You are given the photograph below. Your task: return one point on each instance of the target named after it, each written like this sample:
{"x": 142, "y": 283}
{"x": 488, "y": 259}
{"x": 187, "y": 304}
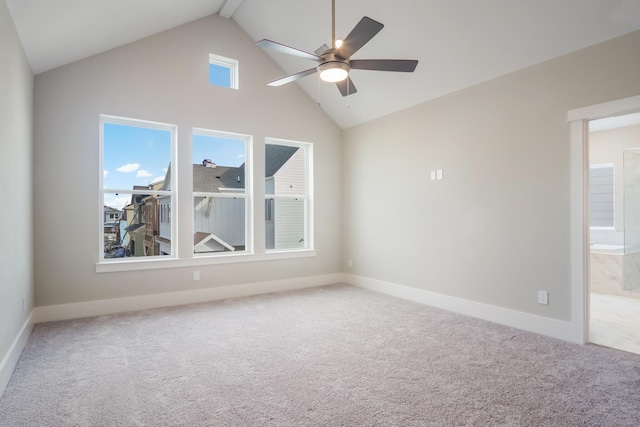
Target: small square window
{"x": 223, "y": 71}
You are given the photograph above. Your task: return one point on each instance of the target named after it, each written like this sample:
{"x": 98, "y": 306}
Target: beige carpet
{"x": 331, "y": 356}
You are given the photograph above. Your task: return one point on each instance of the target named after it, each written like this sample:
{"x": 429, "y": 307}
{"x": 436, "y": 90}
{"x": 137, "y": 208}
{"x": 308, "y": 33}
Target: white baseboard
{"x": 8, "y": 364}
{"x": 52, "y": 313}
{"x": 504, "y": 316}
{"x": 525, "y": 321}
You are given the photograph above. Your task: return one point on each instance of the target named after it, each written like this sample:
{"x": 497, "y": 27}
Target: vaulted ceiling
{"x": 458, "y": 43}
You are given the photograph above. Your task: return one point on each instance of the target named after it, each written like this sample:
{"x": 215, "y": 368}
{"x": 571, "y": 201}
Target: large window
{"x": 219, "y": 192}
{"x": 288, "y": 209}
{"x": 140, "y": 218}
{"x": 136, "y": 195}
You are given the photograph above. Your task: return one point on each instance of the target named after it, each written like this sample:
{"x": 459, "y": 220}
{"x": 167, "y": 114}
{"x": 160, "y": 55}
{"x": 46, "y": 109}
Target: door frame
{"x": 578, "y": 120}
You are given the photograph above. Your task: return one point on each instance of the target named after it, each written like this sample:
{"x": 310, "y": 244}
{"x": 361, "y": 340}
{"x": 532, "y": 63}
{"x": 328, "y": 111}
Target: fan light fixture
{"x": 334, "y": 64}
{"x": 333, "y": 71}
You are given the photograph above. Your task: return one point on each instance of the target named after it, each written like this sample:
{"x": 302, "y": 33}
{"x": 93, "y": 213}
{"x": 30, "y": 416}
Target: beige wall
{"x": 607, "y": 146}
{"x": 16, "y": 112}
{"x": 165, "y": 78}
{"x": 496, "y": 228}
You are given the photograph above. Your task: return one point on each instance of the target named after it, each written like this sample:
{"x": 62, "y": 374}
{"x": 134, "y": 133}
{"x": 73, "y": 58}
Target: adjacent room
{"x": 258, "y": 212}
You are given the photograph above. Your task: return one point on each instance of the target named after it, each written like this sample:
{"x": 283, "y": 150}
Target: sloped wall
{"x": 165, "y": 78}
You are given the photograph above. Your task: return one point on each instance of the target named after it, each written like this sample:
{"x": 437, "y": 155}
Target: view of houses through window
{"x": 138, "y": 195}
{"x": 136, "y": 158}
{"x": 219, "y": 187}
{"x": 286, "y": 204}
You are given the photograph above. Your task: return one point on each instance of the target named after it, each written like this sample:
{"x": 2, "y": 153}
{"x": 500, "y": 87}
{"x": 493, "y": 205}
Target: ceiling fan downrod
{"x": 333, "y": 24}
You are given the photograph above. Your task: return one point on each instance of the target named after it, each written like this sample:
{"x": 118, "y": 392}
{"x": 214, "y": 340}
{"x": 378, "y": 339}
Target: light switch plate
{"x": 433, "y": 175}
{"x": 439, "y": 174}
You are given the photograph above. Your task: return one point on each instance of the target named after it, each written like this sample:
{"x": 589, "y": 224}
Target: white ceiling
{"x": 458, "y": 43}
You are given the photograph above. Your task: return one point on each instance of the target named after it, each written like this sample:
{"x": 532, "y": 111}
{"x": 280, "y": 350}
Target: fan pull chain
{"x": 318, "y": 97}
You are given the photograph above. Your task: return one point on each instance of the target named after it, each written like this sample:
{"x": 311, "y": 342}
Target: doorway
{"x": 613, "y": 213}
{"x": 578, "y": 120}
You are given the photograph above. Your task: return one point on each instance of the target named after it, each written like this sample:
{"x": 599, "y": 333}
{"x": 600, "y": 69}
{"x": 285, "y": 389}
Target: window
{"x": 601, "y": 196}
{"x": 136, "y": 158}
{"x": 219, "y": 192}
{"x": 288, "y": 209}
{"x": 139, "y": 192}
{"x": 223, "y": 71}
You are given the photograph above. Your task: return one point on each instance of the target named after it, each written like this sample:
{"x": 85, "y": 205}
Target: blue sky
{"x": 140, "y": 156}
{"x": 220, "y": 76}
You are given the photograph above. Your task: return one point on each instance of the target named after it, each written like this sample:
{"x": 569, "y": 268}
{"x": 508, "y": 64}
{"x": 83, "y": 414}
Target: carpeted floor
{"x": 330, "y": 356}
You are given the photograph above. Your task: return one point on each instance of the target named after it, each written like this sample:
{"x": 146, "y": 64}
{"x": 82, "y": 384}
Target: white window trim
{"x": 189, "y": 259}
{"x": 153, "y": 263}
{"x": 173, "y": 129}
{"x": 248, "y": 187}
{"x": 232, "y": 64}
{"x": 309, "y": 193}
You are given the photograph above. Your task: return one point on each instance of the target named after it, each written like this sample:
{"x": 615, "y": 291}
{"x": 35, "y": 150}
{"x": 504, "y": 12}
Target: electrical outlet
{"x": 543, "y": 297}
{"x": 350, "y": 263}
{"x": 433, "y": 175}
{"x": 196, "y": 275}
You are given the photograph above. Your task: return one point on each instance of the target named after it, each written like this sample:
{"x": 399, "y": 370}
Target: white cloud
{"x": 240, "y": 156}
{"x": 143, "y": 174}
{"x": 165, "y": 170}
{"x": 130, "y": 167}
{"x": 105, "y": 173}
{"x": 117, "y": 202}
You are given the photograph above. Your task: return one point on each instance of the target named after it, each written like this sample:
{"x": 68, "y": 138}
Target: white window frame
{"x": 232, "y": 64}
{"x": 308, "y": 198}
{"x": 248, "y": 188}
{"x": 173, "y": 130}
{"x": 181, "y": 226}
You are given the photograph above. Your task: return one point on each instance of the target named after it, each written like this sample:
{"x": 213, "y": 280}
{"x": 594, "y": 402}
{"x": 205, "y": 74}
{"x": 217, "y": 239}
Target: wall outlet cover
{"x": 543, "y": 297}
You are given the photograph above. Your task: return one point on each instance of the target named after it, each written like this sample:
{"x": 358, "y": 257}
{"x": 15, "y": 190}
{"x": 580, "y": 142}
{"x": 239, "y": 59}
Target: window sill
{"x": 157, "y": 263}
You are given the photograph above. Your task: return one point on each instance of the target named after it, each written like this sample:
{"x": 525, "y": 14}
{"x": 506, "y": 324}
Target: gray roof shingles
{"x": 210, "y": 180}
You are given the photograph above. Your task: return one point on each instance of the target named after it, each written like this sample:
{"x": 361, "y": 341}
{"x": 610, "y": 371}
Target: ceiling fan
{"x": 334, "y": 63}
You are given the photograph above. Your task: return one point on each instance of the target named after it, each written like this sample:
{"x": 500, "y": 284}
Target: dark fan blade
{"x": 359, "y": 36}
{"x": 268, "y": 44}
{"x": 402, "y": 65}
{"x": 345, "y": 88}
{"x": 293, "y": 77}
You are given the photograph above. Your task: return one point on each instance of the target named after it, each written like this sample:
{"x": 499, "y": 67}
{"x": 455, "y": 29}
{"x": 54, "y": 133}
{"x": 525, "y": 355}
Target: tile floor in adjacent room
{"x": 615, "y": 322}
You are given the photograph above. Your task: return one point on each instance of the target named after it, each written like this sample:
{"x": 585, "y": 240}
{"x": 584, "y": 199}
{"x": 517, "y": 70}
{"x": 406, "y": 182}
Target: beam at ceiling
{"x": 229, "y": 8}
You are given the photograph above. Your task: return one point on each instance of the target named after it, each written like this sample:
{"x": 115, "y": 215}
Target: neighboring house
{"x": 135, "y": 230}
{"x": 284, "y": 175}
{"x": 152, "y": 218}
{"x": 111, "y": 230}
{"x": 150, "y": 209}
{"x": 164, "y": 217}
{"x": 111, "y": 218}
{"x": 219, "y": 222}
{"x": 125, "y": 221}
